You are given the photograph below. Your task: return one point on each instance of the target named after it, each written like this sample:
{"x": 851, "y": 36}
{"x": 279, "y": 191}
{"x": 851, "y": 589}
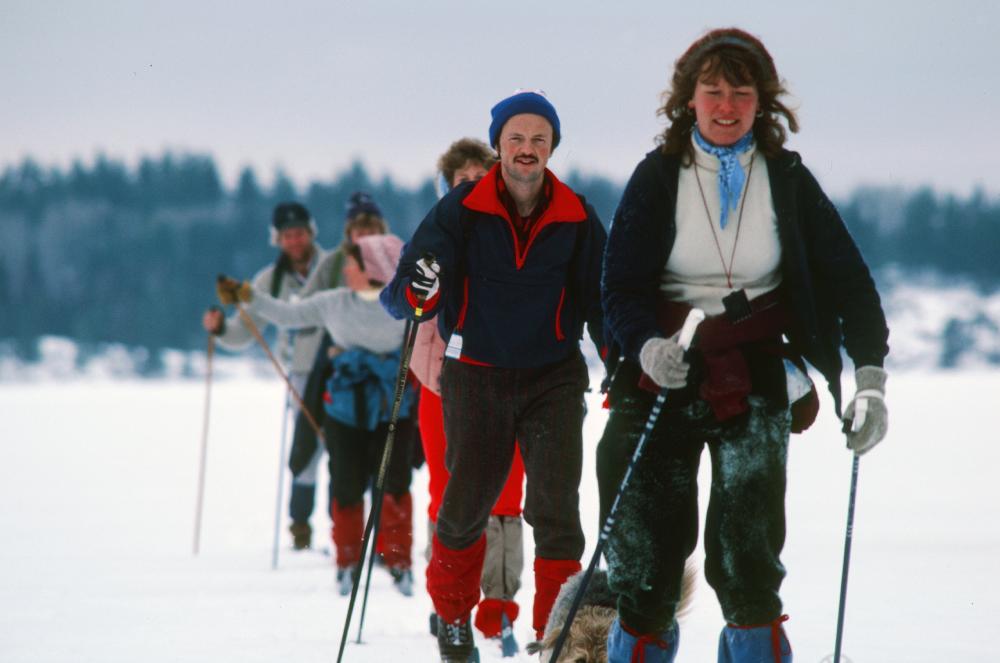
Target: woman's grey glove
{"x": 866, "y": 418}
{"x": 662, "y": 359}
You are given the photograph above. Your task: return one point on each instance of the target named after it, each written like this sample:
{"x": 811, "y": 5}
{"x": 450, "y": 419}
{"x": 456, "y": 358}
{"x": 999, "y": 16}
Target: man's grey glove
{"x": 866, "y": 416}
{"x": 662, "y": 359}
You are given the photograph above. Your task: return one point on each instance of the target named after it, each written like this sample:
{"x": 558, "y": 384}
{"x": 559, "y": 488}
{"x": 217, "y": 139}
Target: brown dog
{"x": 587, "y": 641}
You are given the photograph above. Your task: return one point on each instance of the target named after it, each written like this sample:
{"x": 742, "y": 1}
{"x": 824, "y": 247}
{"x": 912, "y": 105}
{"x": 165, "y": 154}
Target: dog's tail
{"x": 689, "y": 583}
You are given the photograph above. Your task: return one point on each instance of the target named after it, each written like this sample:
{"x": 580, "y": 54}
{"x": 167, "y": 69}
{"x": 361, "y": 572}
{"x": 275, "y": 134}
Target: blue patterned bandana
{"x": 731, "y": 176}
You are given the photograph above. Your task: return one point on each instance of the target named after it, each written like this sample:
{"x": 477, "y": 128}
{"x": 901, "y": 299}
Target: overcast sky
{"x": 894, "y": 92}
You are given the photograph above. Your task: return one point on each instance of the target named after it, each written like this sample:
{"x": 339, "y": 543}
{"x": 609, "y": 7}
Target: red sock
{"x": 348, "y": 528}
{"x": 550, "y": 574}
{"x": 453, "y": 578}
{"x": 396, "y": 530}
{"x": 489, "y": 615}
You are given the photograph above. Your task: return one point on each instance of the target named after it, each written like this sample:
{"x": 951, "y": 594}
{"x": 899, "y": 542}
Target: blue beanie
{"x": 523, "y": 102}
{"x": 361, "y": 203}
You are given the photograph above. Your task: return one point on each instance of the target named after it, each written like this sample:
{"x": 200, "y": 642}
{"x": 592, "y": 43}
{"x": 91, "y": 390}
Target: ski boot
{"x": 346, "y": 577}
{"x": 494, "y": 619}
{"x": 455, "y": 641}
{"x": 625, "y": 645}
{"x": 301, "y": 535}
{"x": 760, "y": 642}
{"x": 508, "y": 644}
{"x": 402, "y": 580}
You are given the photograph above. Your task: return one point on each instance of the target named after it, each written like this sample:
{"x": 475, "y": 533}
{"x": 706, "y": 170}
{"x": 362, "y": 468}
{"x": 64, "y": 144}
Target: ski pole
{"x": 409, "y": 337}
{"x": 373, "y": 518}
{"x": 847, "y": 558}
{"x": 694, "y": 318}
{"x": 209, "y": 354}
{"x": 376, "y": 512}
{"x": 378, "y": 518}
{"x": 281, "y": 482}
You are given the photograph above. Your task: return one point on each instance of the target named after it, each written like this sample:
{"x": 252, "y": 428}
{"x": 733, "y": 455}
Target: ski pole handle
{"x": 429, "y": 258}
{"x": 860, "y": 414}
{"x": 694, "y": 318}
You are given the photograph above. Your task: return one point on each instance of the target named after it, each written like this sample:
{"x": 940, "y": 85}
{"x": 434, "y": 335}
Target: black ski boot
{"x": 455, "y": 641}
{"x": 301, "y": 535}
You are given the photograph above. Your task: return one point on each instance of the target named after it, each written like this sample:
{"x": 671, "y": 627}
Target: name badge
{"x": 454, "y": 349}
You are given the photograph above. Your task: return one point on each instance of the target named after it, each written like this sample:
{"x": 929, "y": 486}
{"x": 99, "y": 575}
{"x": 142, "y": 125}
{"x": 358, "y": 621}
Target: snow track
{"x": 98, "y": 481}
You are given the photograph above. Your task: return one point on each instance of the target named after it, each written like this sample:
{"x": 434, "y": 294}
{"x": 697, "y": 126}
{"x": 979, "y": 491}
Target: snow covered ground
{"x": 98, "y": 482}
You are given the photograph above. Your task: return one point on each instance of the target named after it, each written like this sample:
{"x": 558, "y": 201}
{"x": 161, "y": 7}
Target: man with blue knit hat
{"x": 510, "y": 266}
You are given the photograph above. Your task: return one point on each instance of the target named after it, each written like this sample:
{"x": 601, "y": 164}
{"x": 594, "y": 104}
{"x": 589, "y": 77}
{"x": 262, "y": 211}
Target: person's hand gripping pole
{"x": 425, "y": 282}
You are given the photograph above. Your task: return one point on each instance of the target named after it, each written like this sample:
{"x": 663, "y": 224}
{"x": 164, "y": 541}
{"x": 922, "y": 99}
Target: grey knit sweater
{"x": 353, "y": 320}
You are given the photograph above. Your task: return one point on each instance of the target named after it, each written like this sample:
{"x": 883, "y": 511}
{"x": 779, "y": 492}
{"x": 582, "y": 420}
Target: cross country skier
{"x": 721, "y": 217}
{"x": 294, "y": 274}
{"x": 515, "y": 273}
{"x": 468, "y": 160}
{"x": 363, "y": 217}
{"x": 358, "y": 401}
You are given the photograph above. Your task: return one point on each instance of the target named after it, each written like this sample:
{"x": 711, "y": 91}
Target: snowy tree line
{"x": 107, "y": 253}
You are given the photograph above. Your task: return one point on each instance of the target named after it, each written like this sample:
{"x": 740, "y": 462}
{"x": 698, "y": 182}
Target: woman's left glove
{"x": 866, "y": 418}
{"x": 662, "y": 359}
{"x": 231, "y": 291}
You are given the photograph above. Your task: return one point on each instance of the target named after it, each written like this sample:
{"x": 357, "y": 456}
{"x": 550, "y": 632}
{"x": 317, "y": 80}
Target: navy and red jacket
{"x": 514, "y": 305}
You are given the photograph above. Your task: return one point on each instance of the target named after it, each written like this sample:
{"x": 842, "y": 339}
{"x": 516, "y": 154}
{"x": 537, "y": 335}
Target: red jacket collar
{"x": 564, "y": 206}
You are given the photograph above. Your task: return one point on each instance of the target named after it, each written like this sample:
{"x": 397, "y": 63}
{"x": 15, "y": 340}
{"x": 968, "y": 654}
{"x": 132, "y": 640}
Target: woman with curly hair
{"x": 723, "y": 218}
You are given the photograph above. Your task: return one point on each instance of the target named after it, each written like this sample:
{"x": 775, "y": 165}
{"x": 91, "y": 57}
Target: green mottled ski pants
{"x": 657, "y": 522}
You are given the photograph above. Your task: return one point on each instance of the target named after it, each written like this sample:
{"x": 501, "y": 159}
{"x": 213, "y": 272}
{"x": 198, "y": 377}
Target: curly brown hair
{"x": 741, "y": 59}
{"x": 463, "y": 151}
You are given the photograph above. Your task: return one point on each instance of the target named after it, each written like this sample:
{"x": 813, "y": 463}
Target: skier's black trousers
{"x": 487, "y": 411}
{"x": 355, "y": 455}
{"x": 657, "y": 521}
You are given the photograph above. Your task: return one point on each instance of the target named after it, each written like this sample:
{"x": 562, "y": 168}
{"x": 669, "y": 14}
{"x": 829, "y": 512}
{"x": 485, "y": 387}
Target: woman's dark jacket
{"x": 514, "y": 305}
{"x": 825, "y": 281}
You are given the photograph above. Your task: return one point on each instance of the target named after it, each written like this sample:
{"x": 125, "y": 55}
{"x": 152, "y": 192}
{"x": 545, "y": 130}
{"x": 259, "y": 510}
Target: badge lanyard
{"x": 736, "y": 303}
{"x": 727, "y": 269}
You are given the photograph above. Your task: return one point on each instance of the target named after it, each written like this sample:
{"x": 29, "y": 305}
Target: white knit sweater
{"x": 694, "y": 273}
